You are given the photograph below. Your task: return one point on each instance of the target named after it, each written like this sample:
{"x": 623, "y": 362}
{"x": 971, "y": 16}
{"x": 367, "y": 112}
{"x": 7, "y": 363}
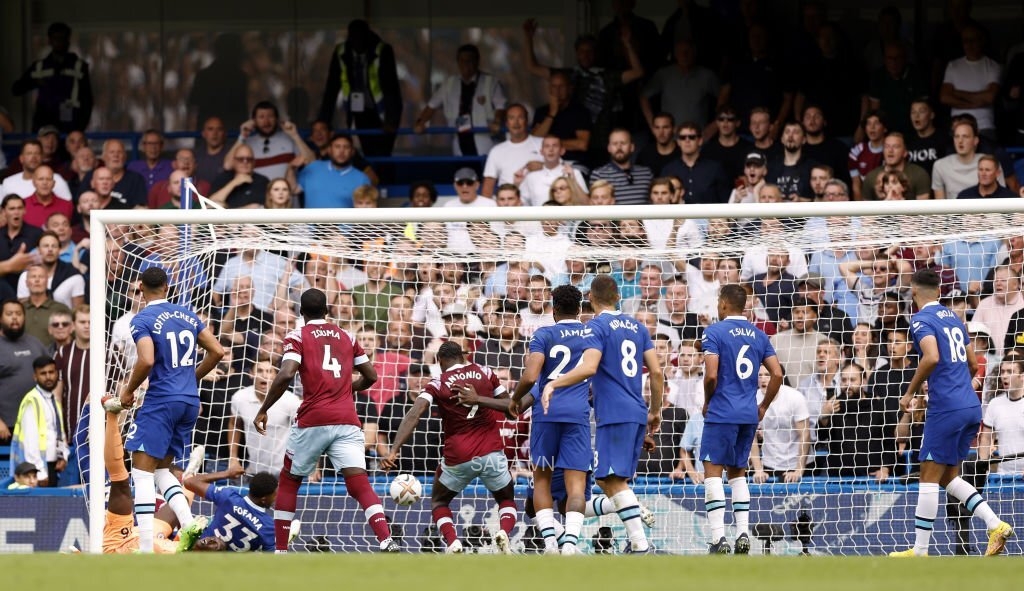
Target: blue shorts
{"x": 162, "y": 428}
{"x": 948, "y": 435}
{"x": 727, "y": 444}
{"x": 561, "y": 445}
{"x": 618, "y": 449}
{"x": 558, "y": 492}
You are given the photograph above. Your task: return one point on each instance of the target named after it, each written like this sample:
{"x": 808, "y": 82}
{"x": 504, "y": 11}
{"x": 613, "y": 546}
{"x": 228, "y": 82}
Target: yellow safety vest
{"x": 372, "y": 75}
{"x": 35, "y": 399}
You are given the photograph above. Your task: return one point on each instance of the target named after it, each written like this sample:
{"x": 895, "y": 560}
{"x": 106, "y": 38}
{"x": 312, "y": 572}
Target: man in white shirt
{"x": 1003, "y": 423}
{"x": 274, "y": 145}
{"x": 508, "y": 195}
{"x": 956, "y": 172}
{"x": 786, "y": 438}
{"x": 264, "y": 453}
{"x": 536, "y": 187}
{"x": 20, "y": 183}
{"x": 466, "y": 186}
{"x": 971, "y": 83}
{"x": 508, "y": 159}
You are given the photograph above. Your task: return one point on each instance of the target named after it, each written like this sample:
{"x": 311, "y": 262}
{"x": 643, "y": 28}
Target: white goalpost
{"x": 405, "y": 279}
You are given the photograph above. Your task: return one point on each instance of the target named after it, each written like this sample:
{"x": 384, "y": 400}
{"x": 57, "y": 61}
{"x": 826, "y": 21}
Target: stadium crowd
{"x": 679, "y": 117}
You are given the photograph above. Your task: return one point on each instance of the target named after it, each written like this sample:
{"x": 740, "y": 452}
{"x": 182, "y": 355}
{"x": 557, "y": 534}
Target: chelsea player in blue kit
{"x": 240, "y": 523}
{"x": 560, "y": 436}
{"x": 734, "y": 349}
{"x": 948, "y": 363}
{"x": 167, "y": 337}
{"x": 617, "y": 349}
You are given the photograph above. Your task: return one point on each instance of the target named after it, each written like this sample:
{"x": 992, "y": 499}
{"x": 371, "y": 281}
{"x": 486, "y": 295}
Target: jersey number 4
{"x": 331, "y": 363}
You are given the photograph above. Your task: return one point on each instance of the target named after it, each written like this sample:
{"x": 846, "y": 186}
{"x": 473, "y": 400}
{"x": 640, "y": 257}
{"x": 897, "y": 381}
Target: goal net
{"x": 835, "y": 469}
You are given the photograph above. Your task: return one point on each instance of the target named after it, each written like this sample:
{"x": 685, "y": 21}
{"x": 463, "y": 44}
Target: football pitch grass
{"x": 329, "y": 572}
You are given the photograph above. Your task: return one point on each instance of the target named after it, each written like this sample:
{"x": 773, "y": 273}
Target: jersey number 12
{"x": 187, "y": 341}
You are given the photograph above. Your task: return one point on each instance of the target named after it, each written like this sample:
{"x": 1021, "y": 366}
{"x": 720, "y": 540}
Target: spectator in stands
{"x": 792, "y": 172}
{"x": 43, "y": 203}
{"x": 508, "y": 195}
{"x": 31, "y": 158}
{"x": 185, "y": 163}
{"x": 867, "y": 155}
{"x": 503, "y": 347}
{"x": 598, "y": 90}
{"x": 61, "y": 79}
{"x": 675, "y": 318}
{"x": 62, "y": 280}
{"x": 390, "y": 365}
{"x": 755, "y": 258}
{"x": 562, "y": 117}
{"x": 821, "y": 147}
{"x": 373, "y": 297}
{"x": 988, "y": 181}
{"x": 956, "y": 172}
{"x": 749, "y": 185}
{"x": 267, "y": 270}
{"x": 924, "y": 145}
{"x": 796, "y": 345}
{"x": 891, "y": 315}
{"x": 263, "y": 453}
{"x": 688, "y": 90}
{"x": 727, "y": 147}
{"x": 422, "y": 194}
{"x": 855, "y": 427}
{"x": 997, "y": 310}
{"x": 664, "y": 458}
{"x": 649, "y": 296}
{"x": 759, "y": 79}
{"x": 1003, "y": 425}
{"x": 689, "y": 449}
{"x": 151, "y": 167}
{"x": 664, "y": 149}
{"x": 38, "y": 305}
{"x": 364, "y": 72}
{"x": 471, "y": 99}
{"x": 129, "y": 188}
{"x": 220, "y": 89}
{"x": 460, "y": 234}
{"x": 243, "y": 322}
{"x": 869, "y": 277}
{"x": 26, "y": 476}
{"x": 763, "y": 131}
{"x": 16, "y": 376}
{"x": 72, "y": 360}
{"x": 631, "y": 181}
{"x": 53, "y": 153}
{"x": 889, "y": 382}
{"x": 775, "y": 287}
{"x": 894, "y": 159}
{"x": 241, "y": 186}
{"x": 971, "y": 258}
{"x": 971, "y": 83}
{"x": 895, "y": 86}
{"x": 820, "y": 175}
{"x": 276, "y": 145}
{"x": 688, "y": 378}
{"x": 536, "y": 185}
{"x": 549, "y": 247}
{"x": 832, "y": 321}
{"x": 703, "y": 179}
{"x": 330, "y": 183}
{"x": 170, "y": 198}
{"x": 537, "y": 312}
{"x": 611, "y": 52}
{"x": 511, "y": 157}
{"x": 60, "y": 330}
{"x": 784, "y": 452}
{"x": 83, "y": 162}
{"x": 38, "y": 436}
{"x": 210, "y": 153}
{"x": 834, "y": 80}
{"x": 422, "y": 455}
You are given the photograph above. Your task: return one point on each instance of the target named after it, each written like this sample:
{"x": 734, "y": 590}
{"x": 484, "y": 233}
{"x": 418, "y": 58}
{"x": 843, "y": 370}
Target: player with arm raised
{"x": 239, "y": 524}
{"x": 947, "y": 362}
{"x": 167, "y": 337}
{"x": 616, "y": 349}
{"x": 733, "y": 350}
{"x": 470, "y": 398}
{"x": 324, "y": 356}
{"x": 560, "y": 437}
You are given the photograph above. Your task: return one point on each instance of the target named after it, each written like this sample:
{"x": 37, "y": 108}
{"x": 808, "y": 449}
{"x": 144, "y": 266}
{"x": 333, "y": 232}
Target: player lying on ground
{"x": 470, "y": 398}
{"x": 325, "y": 357}
{"x": 616, "y": 348}
{"x": 733, "y": 351}
{"x": 239, "y": 524}
{"x": 948, "y": 363}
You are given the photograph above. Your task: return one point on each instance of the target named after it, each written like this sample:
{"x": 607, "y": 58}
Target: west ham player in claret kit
{"x": 472, "y": 401}
{"x": 324, "y": 356}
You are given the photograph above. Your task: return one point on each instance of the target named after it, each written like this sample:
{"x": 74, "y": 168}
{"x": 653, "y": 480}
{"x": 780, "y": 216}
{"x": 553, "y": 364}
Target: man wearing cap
{"x": 997, "y": 310}
{"x": 467, "y": 183}
{"x": 755, "y": 167}
{"x": 26, "y": 475}
{"x": 38, "y": 435}
{"x": 31, "y": 158}
{"x": 64, "y": 96}
{"x": 330, "y": 183}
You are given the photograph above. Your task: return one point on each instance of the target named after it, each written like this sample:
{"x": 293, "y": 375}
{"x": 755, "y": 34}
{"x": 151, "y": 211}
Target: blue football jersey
{"x": 741, "y": 348}
{"x": 175, "y": 333}
{"x": 562, "y": 346}
{"x": 240, "y": 523}
{"x": 618, "y": 383}
{"x": 949, "y": 385}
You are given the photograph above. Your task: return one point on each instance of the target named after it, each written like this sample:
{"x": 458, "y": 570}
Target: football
{"x": 406, "y": 489}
